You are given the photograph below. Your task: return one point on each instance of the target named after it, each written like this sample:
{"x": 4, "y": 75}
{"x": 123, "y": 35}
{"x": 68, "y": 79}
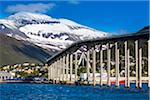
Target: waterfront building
{"x": 6, "y": 75}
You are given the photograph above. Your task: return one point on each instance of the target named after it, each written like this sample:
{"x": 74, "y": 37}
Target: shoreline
{"x": 7, "y": 82}
{"x": 62, "y": 83}
{"x": 122, "y": 86}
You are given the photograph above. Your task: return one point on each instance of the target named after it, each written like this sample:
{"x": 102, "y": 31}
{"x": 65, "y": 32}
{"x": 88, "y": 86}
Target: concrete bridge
{"x": 112, "y": 60}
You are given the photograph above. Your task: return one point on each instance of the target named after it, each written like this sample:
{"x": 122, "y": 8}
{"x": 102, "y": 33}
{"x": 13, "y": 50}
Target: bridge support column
{"x": 63, "y": 60}
{"x": 140, "y": 67}
{"x": 88, "y": 65}
{"x": 67, "y": 67}
{"x": 108, "y": 64}
{"x": 117, "y": 63}
{"x": 54, "y": 73}
{"x": 71, "y": 60}
{"x": 136, "y": 61}
{"x": 126, "y": 64}
{"x": 59, "y": 70}
{"x": 101, "y": 66}
{"x": 149, "y": 63}
{"x": 94, "y": 66}
{"x": 53, "y": 76}
{"x": 76, "y": 66}
{"x": 128, "y": 67}
{"x": 49, "y": 72}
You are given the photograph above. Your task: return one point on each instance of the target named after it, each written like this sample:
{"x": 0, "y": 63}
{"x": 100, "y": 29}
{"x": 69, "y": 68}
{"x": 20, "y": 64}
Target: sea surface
{"x": 69, "y": 92}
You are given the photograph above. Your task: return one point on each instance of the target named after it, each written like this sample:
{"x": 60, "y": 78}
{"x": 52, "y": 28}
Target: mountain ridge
{"x": 42, "y": 32}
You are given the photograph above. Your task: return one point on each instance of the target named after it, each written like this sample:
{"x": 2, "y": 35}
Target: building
{"x": 6, "y": 75}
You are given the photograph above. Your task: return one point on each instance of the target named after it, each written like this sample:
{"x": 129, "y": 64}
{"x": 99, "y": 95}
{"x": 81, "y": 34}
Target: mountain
{"x": 45, "y": 31}
{"x": 143, "y": 30}
{"x": 33, "y": 37}
{"x": 14, "y": 51}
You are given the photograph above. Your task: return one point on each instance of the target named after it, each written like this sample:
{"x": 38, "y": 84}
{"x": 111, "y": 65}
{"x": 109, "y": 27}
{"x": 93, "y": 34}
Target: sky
{"x": 116, "y": 17}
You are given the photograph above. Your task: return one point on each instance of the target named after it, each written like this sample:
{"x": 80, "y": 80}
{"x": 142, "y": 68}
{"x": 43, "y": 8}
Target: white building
{"x": 5, "y": 75}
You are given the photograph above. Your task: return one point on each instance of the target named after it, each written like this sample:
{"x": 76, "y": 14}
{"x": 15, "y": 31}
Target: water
{"x": 69, "y": 92}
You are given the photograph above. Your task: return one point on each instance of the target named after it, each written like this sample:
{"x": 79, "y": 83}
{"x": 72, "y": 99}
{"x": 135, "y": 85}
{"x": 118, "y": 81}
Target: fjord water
{"x": 69, "y": 92}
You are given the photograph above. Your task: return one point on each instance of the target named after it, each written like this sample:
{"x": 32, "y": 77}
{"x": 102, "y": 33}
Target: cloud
{"x": 73, "y": 1}
{"x": 38, "y": 7}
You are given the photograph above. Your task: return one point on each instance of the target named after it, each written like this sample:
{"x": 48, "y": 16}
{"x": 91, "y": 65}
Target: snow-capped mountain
{"x": 45, "y": 31}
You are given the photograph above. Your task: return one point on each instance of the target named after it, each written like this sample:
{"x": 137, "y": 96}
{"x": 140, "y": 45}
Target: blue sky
{"x": 109, "y": 16}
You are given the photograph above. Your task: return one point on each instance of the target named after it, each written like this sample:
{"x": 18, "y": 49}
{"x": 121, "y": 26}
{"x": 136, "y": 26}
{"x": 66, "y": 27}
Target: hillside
{"x": 14, "y": 51}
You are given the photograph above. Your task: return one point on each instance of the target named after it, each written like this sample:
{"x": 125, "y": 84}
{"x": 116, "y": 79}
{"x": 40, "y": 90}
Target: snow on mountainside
{"x": 45, "y": 31}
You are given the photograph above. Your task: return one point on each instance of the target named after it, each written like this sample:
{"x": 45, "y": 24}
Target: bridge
{"x": 111, "y": 60}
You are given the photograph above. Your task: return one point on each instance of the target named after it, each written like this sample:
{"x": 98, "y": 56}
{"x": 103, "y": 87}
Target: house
{"x": 6, "y": 75}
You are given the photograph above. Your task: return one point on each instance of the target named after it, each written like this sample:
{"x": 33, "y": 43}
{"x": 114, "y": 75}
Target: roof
{"x": 3, "y": 73}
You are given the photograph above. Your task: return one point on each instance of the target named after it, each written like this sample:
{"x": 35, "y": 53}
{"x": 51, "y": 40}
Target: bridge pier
{"x": 63, "y": 68}
{"x": 128, "y": 67}
{"x": 67, "y": 67}
{"x": 136, "y": 62}
{"x": 57, "y": 71}
{"x": 76, "y": 67}
{"x": 140, "y": 67}
{"x": 101, "y": 66}
{"x": 94, "y": 65}
{"x": 149, "y": 63}
{"x": 117, "y": 64}
{"x": 108, "y": 64}
{"x": 126, "y": 64}
{"x": 88, "y": 65}
{"x": 53, "y": 73}
{"x": 71, "y": 63}
{"x": 49, "y": 72}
